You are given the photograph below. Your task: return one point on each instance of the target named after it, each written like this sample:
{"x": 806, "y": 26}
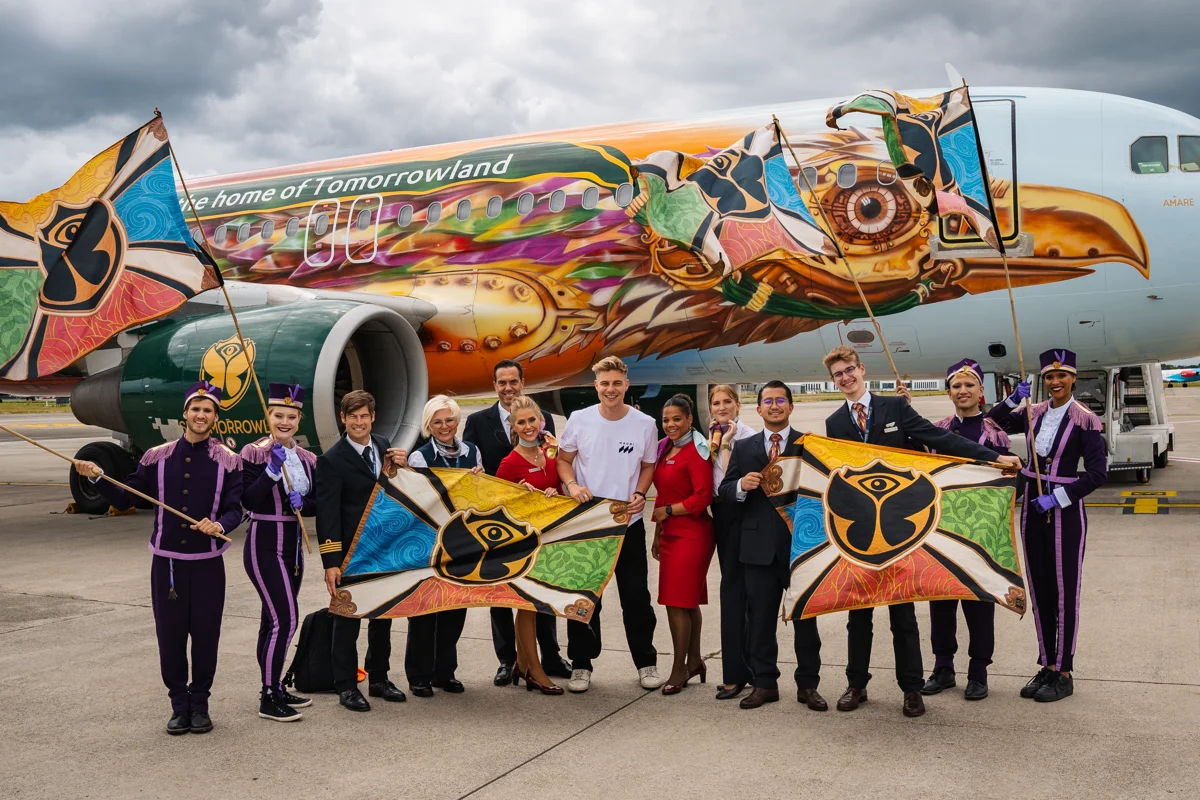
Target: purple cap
{"x": 285, "y": 394}
{"x": 1063, "y": 360}
{"x": 203, "y": 389}
{"x": 967, "y": 366}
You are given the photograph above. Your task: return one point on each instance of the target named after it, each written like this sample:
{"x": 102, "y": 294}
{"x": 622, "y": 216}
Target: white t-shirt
{"x": 610, "y": 454}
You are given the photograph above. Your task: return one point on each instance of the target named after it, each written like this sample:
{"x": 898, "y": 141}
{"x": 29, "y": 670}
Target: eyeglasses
{"x": 774, "y": 401}
{"x": 847, "y": 372}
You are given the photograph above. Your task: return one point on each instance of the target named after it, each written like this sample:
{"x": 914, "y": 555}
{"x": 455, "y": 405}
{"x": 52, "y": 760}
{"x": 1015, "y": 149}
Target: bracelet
{"x": 643, "y": 494}
{"x": 572, "y": 482}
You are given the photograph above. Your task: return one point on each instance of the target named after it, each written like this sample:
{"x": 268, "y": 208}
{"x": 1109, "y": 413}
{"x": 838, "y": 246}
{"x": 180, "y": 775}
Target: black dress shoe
{"x": 730, "y": 692}
{"x": 201, "y": 723}
{"x": 451, "y": 685}
{"x": 353, "y": 700}
{"x": 942, "y": 678}
{"x": 914, "y": 704}
{"x": 179, "y": 723}
{"x": 1037, "y": 682}
{"x": 811, "y": 698}
{"x": 976, "y": 690}
{"x": 292, "y": 700}
{"x": 759, "y": 697}
{"x": 851, "y": 699}
{"x": 388, "y": 691}
{"x": 1057, "y": 688}
{"x": 557, "y": 668}
{"x": 421, "y": 689}
{"x": 504, "y": 675}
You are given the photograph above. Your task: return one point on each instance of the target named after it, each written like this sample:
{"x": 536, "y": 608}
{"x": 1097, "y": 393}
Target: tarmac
{"x": 83, "y": 710}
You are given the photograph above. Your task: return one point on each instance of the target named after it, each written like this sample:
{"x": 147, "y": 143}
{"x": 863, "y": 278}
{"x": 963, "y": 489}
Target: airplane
{"x": 413, "y": 271}
{"x": 1181, "y": 377}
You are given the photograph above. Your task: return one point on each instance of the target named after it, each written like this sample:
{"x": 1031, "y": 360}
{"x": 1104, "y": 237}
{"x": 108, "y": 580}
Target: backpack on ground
{"x": 312, "y": 667}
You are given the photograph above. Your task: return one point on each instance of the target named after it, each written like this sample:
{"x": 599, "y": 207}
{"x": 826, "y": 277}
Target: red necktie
{"x": 860, "y": 416}
{"x": 773, "y": 456}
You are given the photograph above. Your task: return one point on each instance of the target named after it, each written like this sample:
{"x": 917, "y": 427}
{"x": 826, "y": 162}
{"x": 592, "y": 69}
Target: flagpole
{"x": 113, "y": 481}
{"x": 837, "y": 246}
{"x": 238, "y": 329}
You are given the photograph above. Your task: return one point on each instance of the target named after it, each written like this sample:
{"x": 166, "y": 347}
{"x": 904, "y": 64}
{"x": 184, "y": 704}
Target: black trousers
{"x": 504, "y": 636}
{"x": 735, "y": 629}
{"x": 345, "y": 651}
{"x": 906, "y": 642}
{"x": 431, "y": 653}
{"x": 943, "y": 635}
{"x": 583, "y": 640}
{"x": 764, "y": 591}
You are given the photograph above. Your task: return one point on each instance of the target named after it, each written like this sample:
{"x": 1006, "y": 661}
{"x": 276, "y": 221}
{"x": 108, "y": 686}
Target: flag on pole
{"x": 934, "y": 144}
{"x": 107, "y": 250}
{"x": 436, "y": 539}
{"x": 874, "y": 526}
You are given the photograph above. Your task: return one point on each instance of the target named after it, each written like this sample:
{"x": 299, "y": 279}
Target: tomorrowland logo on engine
{"x": 226, "y": 366}
{"x": 877, "y": 514}
{"x": 475, "y": 548}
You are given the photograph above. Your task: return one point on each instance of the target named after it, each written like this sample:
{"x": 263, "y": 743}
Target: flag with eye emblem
{"x": 874, "y": 526}
{"x": 934, "y": 144}
{"x": 107, "y": 250}
{"x": 436, "y": 539}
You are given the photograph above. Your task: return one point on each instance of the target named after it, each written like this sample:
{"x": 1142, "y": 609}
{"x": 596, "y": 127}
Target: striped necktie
{"x": 860, "y": 416}
{"x": 773, "y": 456}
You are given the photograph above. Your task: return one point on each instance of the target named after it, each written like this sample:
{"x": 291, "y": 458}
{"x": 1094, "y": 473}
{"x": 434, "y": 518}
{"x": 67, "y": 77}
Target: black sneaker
{"x": 1036, "y": 682}
{"x": 292, "y": 700}
{"x": 1056, "y": 688}
{"x": 942, "y": 678}
{"x": 272, "y": 707}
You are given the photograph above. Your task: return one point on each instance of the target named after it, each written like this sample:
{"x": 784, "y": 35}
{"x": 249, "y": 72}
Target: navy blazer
{"x": 895, "y": 423}
{"x": 344, "y": 485}
{"x": 765, "y": 534}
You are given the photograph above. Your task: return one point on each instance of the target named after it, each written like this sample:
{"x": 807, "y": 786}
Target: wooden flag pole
{"x": 838, "y": 247}
{"x": 113, "y": 481}
{"x": 238, "y": 329}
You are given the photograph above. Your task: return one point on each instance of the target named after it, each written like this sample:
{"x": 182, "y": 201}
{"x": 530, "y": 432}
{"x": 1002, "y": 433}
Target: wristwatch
{"x": 670, "y": 513}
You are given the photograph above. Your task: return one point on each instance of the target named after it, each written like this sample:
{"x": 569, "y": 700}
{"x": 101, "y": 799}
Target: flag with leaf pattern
{"x": 874, "y": 526}
{"x": 437, "y": 539}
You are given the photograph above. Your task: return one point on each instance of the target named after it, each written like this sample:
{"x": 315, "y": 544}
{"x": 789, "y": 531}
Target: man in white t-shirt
{"x": 609, "y": 450}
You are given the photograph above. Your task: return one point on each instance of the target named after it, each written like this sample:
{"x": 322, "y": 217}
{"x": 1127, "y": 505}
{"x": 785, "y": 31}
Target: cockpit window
{"x": 1189, "y": 153}
{"x": 1148, "y": 155}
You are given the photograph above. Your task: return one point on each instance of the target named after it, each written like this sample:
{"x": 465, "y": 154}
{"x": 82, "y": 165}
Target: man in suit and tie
{"x": 766, "y": 554}
{"x": 890, "y": 422}
{"x": 491, "y": 431}
{"x": 347, "y": 475}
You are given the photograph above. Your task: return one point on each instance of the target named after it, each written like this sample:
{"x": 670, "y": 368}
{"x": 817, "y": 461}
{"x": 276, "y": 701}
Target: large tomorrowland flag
{"x": 934, "y": 144}
{"x": 874, "y": 526}
{"x": 728, "y": 209}
{"x": 436, "y": 539}
{"x": 106, "y": 250}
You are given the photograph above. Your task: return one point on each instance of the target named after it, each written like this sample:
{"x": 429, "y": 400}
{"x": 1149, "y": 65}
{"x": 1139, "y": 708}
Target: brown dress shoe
{"x": 914, "y": 704}
{"x": 851, "y": 699}
{"x": 759, "y": 696}
{"x": 812, "y": 698}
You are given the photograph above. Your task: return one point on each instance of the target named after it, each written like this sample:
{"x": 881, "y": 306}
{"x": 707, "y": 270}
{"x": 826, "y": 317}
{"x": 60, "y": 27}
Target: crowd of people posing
{"x": 708, "y": 499}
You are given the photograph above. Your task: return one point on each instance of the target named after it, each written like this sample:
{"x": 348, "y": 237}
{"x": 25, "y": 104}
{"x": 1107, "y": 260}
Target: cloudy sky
{"x": 254, "y": 83}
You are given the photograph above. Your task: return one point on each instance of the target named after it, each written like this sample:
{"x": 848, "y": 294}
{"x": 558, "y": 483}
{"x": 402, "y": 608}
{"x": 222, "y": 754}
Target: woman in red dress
{"x": 531, "y": 464}
{"x": 683, "y": 542}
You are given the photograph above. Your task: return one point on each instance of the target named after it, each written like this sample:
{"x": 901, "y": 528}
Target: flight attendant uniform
{"x": 727, "y": 530}
{"x": 272, "y": 555}
{"x": 685, "y": 542}
{"x": 1054, "y": 543}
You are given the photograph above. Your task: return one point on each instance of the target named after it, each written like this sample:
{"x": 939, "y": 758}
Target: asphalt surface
{"x": 82, "y": 707}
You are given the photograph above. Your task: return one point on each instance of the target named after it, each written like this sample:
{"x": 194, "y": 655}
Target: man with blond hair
{"x": 609, "y": 450}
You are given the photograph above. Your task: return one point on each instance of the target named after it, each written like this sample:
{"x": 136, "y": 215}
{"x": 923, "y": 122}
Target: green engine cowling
{"x": 330, "y": 347}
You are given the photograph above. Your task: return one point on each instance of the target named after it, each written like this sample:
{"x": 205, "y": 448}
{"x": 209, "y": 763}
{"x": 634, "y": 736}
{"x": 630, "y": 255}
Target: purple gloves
{"x": 278, "y": 456}
{"x": 297, "y": 499}
{"x": 1045, "y": 503}
{"x": 1022, "y": 391}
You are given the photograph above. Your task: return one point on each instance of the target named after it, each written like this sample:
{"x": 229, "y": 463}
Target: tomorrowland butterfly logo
{"x": 877, "y": 514}
{"x": 226, "y": 366}
{"x": 81, "y": 248}
{"x": 475, "y": 548}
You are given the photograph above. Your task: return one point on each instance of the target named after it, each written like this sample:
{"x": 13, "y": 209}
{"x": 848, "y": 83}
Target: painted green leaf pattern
{"x": 578, "y": 565}
{"x": 983, "y": 515}
{"x": 18, "y": 299}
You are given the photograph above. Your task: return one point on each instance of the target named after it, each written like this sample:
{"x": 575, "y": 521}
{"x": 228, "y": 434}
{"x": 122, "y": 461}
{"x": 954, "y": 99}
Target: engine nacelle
{"x": 330, "y": 347}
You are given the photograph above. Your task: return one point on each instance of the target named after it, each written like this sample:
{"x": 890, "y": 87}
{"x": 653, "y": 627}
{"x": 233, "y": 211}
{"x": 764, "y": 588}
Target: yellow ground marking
{"x": 1147, "y": 493}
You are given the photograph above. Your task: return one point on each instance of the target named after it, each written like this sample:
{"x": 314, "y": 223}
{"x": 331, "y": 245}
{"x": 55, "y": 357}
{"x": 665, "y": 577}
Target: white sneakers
{"x": 649, "y": 678}
{"x": 581, "y": 679}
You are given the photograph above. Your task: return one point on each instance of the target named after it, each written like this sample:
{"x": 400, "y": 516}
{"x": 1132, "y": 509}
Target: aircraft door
{"x": 320, "y": 246}
{"x": 362, "y": 229}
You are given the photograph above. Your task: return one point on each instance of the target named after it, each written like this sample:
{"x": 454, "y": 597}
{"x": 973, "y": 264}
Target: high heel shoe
{"x": 670, "y": 688}
{"x": 702, "y": 671}
{"x": 517, "y": 674}
{"x": 532, "y": 683}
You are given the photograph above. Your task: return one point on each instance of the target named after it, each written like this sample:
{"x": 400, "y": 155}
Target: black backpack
{"x": 312, "y": 667}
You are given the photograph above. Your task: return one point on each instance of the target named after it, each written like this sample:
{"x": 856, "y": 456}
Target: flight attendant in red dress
{"x": 683, "y": 542}
{"x": 531, "y": 464}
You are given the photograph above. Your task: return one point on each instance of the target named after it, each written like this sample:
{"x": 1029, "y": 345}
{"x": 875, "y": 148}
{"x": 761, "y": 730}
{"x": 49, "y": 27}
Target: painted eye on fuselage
{"x": 869, "y": 213}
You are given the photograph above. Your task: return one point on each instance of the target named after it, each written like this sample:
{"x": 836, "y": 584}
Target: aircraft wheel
{"x": 112, "y": 459}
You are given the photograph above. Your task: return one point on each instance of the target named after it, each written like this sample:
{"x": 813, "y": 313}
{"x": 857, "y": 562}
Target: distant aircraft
{"x": 1181, "y": 377}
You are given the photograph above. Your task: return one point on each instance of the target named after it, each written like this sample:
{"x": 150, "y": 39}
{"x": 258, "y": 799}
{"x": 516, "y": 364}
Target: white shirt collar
{"x": 786, "y": 433}
{"x": 358, "y": 448}
{"x": 865, "y": 400}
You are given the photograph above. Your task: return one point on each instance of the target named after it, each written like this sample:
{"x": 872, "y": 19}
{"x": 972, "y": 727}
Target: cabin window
{"x": 321, "y": 224}
{"x": 462, "y": 210}
{"x": 847, "y": 175}
{"x": 364, "y": 220}
{"x": 495, "y": 203}
{"x": 433, "y": 213}
{"x": 525, "y": 203}
{"x": 219, "y": 235}
{"x": 1148, "y": 155}
{"x": 624, "y": 194}
{"x": 885, "y": 173}
{"x": 268, "y": 229}
{"x": 243, "y": 232}
{"x": 810, "y": 175}
{"x": 404, "y": 218}
{"x": 293, "y": 226}
{"x": 1189, "y": 153}
{"x": 558, "y": 200}
{"x": 197, "y": 235}
{"x": 591, "y": 196}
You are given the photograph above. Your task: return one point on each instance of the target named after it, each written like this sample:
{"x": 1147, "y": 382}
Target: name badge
{"x": 535, "y": 469}
{"x": 670, "y": 461}
{"x": 889, "y": 428}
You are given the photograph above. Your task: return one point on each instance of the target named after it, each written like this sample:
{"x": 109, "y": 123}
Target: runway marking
{"x": 1147, "y": 493}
